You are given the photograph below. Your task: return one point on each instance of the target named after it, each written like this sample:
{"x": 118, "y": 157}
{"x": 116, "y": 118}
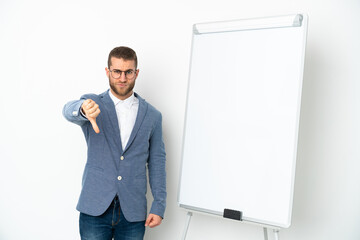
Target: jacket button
{"x": 119, "y": 178}
{"x": 122, "y": 158}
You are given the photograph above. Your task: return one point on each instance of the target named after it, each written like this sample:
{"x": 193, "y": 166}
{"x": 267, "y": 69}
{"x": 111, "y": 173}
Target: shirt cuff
{"x": 82, "y": 113}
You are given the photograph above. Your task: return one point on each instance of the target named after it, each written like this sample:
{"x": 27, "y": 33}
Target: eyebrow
{"x": 122, "y": 70}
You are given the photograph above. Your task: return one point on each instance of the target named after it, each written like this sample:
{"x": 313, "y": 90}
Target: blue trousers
{"x": 110, "y": 225}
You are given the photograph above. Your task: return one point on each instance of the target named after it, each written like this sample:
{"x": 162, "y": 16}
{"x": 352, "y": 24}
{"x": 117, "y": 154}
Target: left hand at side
{"x": 153, "y": 220}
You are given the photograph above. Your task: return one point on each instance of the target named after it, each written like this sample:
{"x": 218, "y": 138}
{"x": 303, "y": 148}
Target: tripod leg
{"x": 276, "y": 234}
{"x": 189, "y": 214}
{"x": 265, "y": 234}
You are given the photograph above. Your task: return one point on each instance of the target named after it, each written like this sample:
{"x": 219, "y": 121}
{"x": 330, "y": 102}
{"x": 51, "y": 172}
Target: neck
{"x": 121, "y": 97}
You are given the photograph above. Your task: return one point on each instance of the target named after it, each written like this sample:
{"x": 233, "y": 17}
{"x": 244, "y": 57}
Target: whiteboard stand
{"x": 265, "y": 234}
{"x": 187, "y": 223}
{"x": 276, "y": 234}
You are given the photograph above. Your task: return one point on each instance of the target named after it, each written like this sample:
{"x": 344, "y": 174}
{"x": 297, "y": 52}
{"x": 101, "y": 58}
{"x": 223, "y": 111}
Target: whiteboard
{"x": 242, "y": 118}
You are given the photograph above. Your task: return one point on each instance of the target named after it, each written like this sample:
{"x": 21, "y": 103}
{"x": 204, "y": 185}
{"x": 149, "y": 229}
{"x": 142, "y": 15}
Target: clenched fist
{"x": 153, "y": 220}
{"x": 91, "y": 111}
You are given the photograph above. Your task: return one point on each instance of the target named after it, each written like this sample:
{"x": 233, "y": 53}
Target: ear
{"x": 137, "y": 73}
{"x": 107, "y": 72}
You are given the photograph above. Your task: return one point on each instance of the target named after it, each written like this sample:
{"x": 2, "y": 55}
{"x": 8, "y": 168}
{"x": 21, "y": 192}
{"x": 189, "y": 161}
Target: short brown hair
{"x": 125, "y": 53}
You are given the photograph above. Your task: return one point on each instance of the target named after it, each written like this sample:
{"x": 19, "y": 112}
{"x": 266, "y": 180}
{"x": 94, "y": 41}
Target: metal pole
{"x": 276, "y": 234}
{"x": 265, "y": 234}
{"x": 189, "y": 214}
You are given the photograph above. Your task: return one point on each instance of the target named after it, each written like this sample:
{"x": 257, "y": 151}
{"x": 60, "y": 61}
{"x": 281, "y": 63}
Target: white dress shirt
{"x": 126, "y": 111}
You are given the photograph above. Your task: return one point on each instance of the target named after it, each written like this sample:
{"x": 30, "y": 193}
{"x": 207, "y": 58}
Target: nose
{"x": 122, "y": 77}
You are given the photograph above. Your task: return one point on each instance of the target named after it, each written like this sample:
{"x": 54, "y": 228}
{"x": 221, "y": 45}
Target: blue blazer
{"x": 111, "y": 170}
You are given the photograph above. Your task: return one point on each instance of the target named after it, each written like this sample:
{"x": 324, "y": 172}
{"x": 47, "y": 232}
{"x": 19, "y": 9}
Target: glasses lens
{"x": 130, "y": 74}
{"x": 115, "y": 73}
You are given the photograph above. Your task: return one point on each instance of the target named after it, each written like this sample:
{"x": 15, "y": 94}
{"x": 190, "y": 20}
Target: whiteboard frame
{"x": 235, "y": 26}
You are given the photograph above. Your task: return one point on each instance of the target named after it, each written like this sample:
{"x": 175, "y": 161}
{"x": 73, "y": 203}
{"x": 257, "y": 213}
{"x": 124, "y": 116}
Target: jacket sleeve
{"x": 71, "y": 112}
{"x": 157, "y": 172}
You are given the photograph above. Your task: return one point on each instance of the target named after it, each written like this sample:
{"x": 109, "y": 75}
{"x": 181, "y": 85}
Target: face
{"x": 122, "y": 87}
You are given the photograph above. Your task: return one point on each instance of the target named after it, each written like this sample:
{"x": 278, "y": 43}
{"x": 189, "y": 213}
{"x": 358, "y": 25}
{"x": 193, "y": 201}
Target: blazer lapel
{"x": 139, "y": 119}
{"x": 113, "y": 127}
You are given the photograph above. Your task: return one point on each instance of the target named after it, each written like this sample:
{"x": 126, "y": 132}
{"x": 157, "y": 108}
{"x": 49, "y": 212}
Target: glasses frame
{"x": 121, "y": 72}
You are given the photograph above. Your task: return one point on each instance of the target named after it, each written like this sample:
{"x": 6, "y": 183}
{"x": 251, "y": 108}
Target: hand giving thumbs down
{"x": 91, "y": 111}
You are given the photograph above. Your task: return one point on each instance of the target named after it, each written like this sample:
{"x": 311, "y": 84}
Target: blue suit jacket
{"x": 110, "y": 170}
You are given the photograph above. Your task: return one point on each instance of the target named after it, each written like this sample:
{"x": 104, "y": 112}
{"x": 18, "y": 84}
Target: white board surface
{"x": 242, "y": 119}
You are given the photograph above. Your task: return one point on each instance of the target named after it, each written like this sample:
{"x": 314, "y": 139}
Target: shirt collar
{"x": 126, "y": 103}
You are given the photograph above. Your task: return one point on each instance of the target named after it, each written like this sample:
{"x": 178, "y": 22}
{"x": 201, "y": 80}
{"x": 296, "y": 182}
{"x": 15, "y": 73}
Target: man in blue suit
{"x": 124, "y": 137}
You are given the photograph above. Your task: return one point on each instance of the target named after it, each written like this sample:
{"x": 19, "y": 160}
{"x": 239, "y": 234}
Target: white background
{"x": 54, "y": 51}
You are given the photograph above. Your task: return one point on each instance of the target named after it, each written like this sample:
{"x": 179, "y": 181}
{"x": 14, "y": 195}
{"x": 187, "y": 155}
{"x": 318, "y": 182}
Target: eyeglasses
{"x": 129, "y": 74}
